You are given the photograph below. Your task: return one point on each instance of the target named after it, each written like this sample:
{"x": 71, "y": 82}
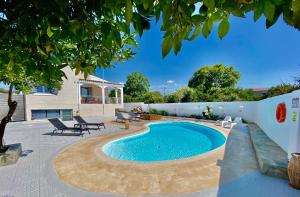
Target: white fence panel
{"x": 263, "y": 113}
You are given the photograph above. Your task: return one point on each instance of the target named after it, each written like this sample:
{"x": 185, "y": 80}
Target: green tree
{"x": 22, "y": 78}
{"x": 280, "y": 89}
{"x": 136, "y": 85}
{"x": 44, "y": 36}
{"x": 172, "y": 98}
{"x": 228, "y": 94}
{"x": 183, "y": 95}
{"x": 39, "y": 38}
{"x": 152, "y": 97}
{"x": 248, "y": 95}
{"x": 212, "y": 77}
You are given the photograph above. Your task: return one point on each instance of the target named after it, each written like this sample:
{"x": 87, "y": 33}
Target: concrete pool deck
{"x": 34, "y": 174}
{"x": 84, "y": 165}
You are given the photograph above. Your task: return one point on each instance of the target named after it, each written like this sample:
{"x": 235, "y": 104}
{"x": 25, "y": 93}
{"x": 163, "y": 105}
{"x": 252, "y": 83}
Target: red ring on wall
{"x": 281, "y": 112}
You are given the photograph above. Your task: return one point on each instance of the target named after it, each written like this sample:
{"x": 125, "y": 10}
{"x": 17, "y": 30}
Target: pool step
{"x": 272, "y": 159}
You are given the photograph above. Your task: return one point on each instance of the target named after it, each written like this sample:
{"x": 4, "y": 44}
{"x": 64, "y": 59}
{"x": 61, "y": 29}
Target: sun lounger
{"x": 123, "y": 116}
{"x": 59, "y": 126}
{"x": 226, "y": 120}
{"x": 80, "y": 120}
{"x": 237, "y": 120}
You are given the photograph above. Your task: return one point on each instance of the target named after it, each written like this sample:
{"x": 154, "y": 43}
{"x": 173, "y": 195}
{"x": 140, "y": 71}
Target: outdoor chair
{"x": 59, "y": 126}
{"x": 80, "y": 120}
{"x": 226, "y": 120}
{"x": 123, "y": 116}
{"x": 237, "y": 120}
{"x": 134, "y": 116}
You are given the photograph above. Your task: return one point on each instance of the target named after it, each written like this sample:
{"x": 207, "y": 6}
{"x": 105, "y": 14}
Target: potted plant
{"x": 294, "y": 170}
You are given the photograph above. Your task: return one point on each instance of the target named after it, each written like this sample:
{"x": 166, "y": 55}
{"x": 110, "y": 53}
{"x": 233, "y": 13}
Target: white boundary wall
{"x": 263, "y": 113}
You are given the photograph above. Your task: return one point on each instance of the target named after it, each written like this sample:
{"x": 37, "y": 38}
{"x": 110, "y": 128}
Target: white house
{"x": 77, "y": 96}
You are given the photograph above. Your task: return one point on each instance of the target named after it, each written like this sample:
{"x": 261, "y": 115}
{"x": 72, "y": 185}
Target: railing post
{"x": 78, "y": 93}
{"x": 103, "y": 94}
{"x": 121, "y": 90}
{"x": 116, "y": 95}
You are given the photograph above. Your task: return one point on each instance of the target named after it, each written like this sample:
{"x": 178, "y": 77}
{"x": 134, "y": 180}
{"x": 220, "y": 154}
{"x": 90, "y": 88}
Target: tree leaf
{"x": 296, "y": 13}
{"x": 138, "y": 24}
{"x": 177, "y": 45}
{"x": 147, "y": 4}
{"x": 157, "y": 16}
{"x": 166, "y": 46}
{"x": 105, "y": 29}
{"x": 207, "y": 26}
{"x": 276, "y": 16}
{"x": 128, "y": 11}
{"x": 269, "y": 11}
{"x": 196, "y": 33}
{"x": 41, "y": 51}
{"x": 49, "y": 32}
{"x": 223, "y": 28}
{"x": 117, "y": 37}
{"x": 258, "y": 10}
{"x": 196, "y": 19}
{"x": 238, "y": 13}
{"x": 74, "y": 25}
{"x": 209, "y": 3}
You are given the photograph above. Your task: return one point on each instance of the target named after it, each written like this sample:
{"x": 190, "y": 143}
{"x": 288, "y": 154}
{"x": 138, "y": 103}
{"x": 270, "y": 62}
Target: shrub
{"x": 153, "y": 111}
{"x": 196, "y": 116}
{"x": 164, "y": 113}
{"x": 152, "y": 97}
{"x": 159, "y": 112}
{"x": 208, "y": 114}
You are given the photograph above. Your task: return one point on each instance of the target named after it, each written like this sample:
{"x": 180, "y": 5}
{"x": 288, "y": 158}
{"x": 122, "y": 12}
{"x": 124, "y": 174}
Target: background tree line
{"x": 208, "y": 83}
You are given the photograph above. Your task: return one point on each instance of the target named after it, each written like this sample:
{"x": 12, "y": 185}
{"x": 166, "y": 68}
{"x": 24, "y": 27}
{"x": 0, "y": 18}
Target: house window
{"x": 65, "y": 114}
{"x": 86, "y": 91}
{"x": 38, "y": 114}
{"x": 44, "y": 90}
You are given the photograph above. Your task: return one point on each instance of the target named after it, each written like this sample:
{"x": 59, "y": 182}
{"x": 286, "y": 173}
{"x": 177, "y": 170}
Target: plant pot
{"x": 11, "y": 155}
{"x": 152, "y": 117}
{"x": 294, "y": 170}
{"x": 126, "y": 124}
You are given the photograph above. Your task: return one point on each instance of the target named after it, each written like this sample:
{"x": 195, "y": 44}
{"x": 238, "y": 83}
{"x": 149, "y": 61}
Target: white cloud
{"x": 170, "y": 81}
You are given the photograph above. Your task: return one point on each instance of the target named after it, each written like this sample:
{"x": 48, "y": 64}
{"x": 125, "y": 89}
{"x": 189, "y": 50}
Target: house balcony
{"x": 91, "y": 100}
{"x": 112, "y": 100}
{"x": 98, "y": 100}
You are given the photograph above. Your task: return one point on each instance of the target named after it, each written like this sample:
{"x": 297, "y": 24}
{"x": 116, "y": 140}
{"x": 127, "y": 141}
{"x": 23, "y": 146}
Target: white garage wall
{"x": 263, "y": 113}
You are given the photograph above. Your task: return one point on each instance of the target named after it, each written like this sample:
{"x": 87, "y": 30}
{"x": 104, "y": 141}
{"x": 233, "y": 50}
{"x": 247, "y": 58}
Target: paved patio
{"x": 34, "y": 175}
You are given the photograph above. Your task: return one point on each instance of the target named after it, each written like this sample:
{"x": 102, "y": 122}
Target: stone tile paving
{"x": 34, "y": 176}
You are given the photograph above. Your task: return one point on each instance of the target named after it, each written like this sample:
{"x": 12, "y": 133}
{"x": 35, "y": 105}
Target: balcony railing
{"x": 91, "y": 100}
{"x": 98, "y": 100}
{"x": 112, "y": 100}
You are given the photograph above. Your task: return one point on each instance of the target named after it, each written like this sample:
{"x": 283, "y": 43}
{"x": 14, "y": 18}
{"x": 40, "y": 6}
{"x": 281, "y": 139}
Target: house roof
{"x": 92, "y": 78}
{"x": 95, "y": 79}
{"x": 260, "y": 89}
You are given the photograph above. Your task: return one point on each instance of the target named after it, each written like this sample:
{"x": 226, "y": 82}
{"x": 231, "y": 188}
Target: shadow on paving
{"x": 62, "y": 134}
{"x": 25, "y": 153}
{"x": 239, "y": 174}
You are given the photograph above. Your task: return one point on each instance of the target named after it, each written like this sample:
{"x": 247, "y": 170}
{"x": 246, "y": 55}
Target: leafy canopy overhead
{"x": 44, "y": 36}
{"x": 136, "y": 85}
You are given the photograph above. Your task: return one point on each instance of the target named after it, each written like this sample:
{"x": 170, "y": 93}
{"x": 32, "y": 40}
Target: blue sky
{"x": 264, "y": 57}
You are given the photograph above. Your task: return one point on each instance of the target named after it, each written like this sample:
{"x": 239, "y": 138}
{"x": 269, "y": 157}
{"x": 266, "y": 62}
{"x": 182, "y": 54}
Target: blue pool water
{"x": 165, "y": 141}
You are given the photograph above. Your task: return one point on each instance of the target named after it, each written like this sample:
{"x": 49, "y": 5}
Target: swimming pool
{"x": 165, "y": 141}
